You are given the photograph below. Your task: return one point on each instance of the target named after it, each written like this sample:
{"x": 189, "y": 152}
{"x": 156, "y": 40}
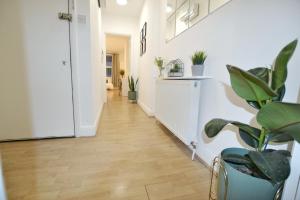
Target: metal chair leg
{"x": 218, "y": 162}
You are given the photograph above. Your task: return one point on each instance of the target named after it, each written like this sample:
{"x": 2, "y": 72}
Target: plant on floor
{"x": 264, "y": 88}
{"x": 159, "y": 63}
{"x": 199, "y": 57}
{"x": 122, "y": 72}
{"x": 132, "y": 84}
{"x": 132, "y": 88}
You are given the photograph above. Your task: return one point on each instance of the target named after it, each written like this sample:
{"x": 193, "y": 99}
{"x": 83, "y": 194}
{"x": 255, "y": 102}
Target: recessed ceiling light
{"x": 122, "y": 2}
{"x": 169, "y": 9}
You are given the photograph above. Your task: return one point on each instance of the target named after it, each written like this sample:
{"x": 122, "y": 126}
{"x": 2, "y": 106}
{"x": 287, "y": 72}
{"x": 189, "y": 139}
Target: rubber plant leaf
{"x": 281, "y": 118}
{"x": 281, "y": 93}
{"x": 261, "y": 72}
{"x": 248, "y": 133}
{"x": 280, "y": 138}
{"x": 237, "y": 159}
{"x": 279, "y": 73}
{"x": 248, "y": 86}
{"x": 273, "y": 164}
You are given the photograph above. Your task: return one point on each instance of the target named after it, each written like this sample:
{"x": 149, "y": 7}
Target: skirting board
{"x": 90, "y": 130}
{"x": 146, "y": 109}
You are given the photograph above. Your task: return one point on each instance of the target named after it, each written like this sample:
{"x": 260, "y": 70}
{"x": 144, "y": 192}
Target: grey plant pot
{"x": 132, "y": 96}
{"x": 243, "y": 186}
{"x": 197, "y": 70}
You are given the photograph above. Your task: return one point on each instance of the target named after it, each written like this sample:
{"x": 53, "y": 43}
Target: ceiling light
{"x": 122, "y": 2}
{"x": 169, "y": 9}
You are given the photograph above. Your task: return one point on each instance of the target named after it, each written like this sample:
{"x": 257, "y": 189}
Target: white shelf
{"x": 188, "y": 78}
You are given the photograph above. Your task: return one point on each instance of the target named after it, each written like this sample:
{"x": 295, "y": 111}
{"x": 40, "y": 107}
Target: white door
{"x": 35, "y": 58}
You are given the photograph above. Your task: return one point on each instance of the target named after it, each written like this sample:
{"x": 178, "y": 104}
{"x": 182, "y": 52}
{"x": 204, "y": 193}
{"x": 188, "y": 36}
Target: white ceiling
{"x": 132, "y": 9}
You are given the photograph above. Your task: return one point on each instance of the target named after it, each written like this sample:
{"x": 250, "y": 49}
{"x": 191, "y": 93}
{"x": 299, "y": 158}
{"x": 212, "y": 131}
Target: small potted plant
{"x": 159, "y": 63}
{"x": 259, "y": 172}
{"x": 132, "y": 89}
{"x": 122, "y": 73}
{"x": 198, "y": 60}
{"x": 175, "y": 69}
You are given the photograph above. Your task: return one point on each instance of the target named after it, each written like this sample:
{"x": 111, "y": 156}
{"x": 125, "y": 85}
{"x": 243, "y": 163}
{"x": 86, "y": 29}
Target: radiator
{"x": 177, "y": 107}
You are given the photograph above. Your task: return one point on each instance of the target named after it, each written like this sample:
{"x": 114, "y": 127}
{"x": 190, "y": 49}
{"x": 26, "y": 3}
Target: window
{"x": 109, "y": 63}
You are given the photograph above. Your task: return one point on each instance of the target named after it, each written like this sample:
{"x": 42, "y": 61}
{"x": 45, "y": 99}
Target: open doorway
{"x": 117, "y": 64}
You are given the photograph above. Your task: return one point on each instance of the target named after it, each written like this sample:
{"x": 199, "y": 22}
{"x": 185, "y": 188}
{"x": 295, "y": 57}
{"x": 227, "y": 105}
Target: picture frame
{"x": 145, "y": 29}
{"x": 144, "y": 45}
{"x": 141, "y": 35}
{"x": 143, "y": 41}
{"x": 141, "y": 48}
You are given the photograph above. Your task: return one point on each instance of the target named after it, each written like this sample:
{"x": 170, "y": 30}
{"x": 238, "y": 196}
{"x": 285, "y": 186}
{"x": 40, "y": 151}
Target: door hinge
{"x": 65, "y": 16}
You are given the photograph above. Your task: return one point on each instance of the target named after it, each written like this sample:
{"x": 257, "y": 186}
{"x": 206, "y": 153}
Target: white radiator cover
{"x": 177, "y": 107}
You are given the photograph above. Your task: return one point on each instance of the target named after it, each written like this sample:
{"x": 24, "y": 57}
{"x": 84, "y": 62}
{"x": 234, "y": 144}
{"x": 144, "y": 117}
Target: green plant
{"x": 199, "y": 57}
{"x": 132, "y": 84}
{"x": 122, "y": 72}
{"x": 264, "y": 89}
{"x": 175, "y": 68}
{"x": 159, "y": 62}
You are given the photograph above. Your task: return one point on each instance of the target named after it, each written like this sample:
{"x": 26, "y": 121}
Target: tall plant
{"x": 132, "y": 84}
{"x": 264, "y": 88}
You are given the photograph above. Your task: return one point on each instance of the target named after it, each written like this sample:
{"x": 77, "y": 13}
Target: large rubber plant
{"x": 264, "y": 88}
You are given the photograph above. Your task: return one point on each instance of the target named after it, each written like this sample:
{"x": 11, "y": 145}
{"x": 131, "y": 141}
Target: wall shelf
{"x": 188, "y": 78}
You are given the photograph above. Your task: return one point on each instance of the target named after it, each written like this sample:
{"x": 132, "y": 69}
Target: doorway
{"x": 117, "y": 64}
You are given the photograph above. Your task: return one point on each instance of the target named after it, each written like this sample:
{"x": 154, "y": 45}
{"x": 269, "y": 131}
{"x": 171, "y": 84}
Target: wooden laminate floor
{"x": 131, "y": 158}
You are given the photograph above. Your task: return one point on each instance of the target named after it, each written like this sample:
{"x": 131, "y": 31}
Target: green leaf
{"x": 254, "y": 104}
{"x": 281, "y": 93}
{"x": 237, "y": 159}
{"x": 281, "y": 118}
{"x": 248, "y": 86}
{"x": 261, "y": 72}
{"x": 252, "y": 142}
{"x": 132, "y": 84}
{"x": 274, "y": 165}
{"x": 279, "y": 73}
{"x": 280, "y": 138}
{"x": 248, "y": 133}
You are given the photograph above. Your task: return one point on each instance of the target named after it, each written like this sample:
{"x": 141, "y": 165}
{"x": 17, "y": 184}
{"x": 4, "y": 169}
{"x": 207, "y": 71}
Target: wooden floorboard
{"x": 131, "y": 158}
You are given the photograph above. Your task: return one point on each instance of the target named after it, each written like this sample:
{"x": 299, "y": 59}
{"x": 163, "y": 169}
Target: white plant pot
{"x": 197, "y": 70}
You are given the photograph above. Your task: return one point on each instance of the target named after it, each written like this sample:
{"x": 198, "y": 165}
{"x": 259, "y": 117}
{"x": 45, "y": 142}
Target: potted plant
{"x": 132, "y": 88}
{"x": 159, "y": 63}
{"x": 262, "y": 169}
{"x": 122, "y": 72}
{"x": 198, "y": 60}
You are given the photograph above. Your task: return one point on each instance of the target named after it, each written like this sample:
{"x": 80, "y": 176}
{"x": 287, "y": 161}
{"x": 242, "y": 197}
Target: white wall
{"x": 126, "y": 26}
{"x": 147, "y": 70}
{"x": 243, "y": 33}
{"x": 88, "y": 70}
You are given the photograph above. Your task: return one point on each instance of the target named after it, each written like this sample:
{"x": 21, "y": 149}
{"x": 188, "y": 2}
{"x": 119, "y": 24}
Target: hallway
{"x": 131, "y": 158}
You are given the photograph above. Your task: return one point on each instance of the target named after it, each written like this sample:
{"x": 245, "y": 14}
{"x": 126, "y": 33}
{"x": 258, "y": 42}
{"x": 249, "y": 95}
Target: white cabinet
{"x": 177, "y": 107}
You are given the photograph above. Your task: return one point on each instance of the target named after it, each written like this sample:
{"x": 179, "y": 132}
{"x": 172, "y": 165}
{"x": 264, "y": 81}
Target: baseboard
{"x": 205, "y": 156}
{"x": 146, "y": 109}
{"x": 90, "y": 130}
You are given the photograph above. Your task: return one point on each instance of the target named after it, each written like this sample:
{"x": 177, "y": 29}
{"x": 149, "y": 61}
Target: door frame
{"x": 74, "y": 66}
